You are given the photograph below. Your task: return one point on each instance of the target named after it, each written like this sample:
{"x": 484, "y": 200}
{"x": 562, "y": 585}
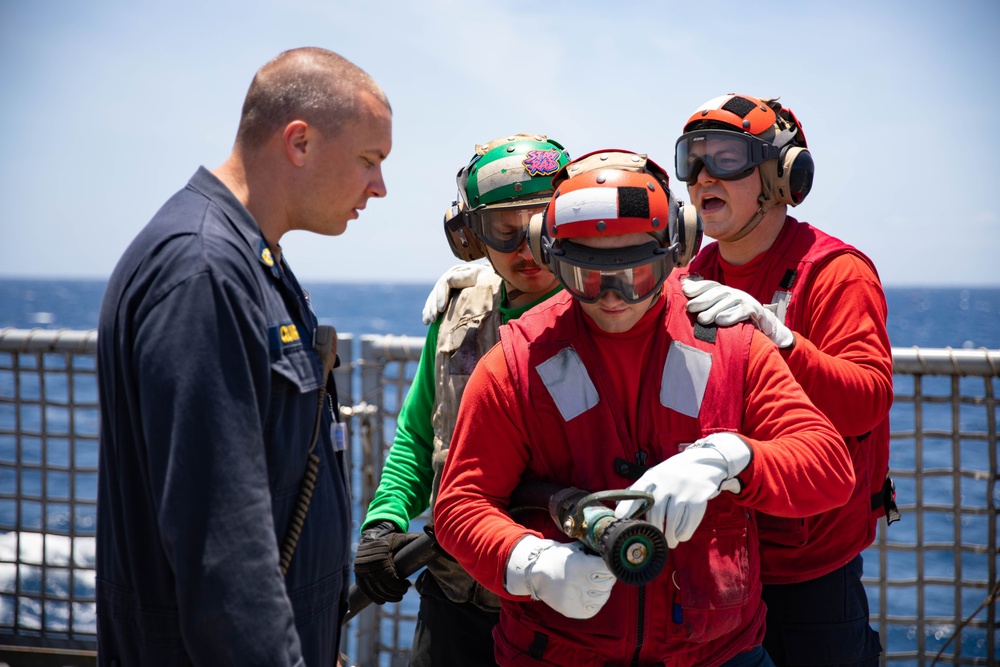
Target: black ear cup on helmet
{"x": 793, "y": 175}
{"x": 690, "y": 232}
{"x": 463, "y": 243}
{"x": 536, "y": 230}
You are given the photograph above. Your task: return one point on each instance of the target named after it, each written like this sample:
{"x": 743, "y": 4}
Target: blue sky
{"x": 110, "y": 106}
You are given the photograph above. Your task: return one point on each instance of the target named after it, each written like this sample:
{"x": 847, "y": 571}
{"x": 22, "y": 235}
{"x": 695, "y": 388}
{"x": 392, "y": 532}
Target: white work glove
{"x": 683, "y": 484}
{"x": 562, "y": 576}
{"x": 459, "y": 276}
{"x": 726, "y": 306}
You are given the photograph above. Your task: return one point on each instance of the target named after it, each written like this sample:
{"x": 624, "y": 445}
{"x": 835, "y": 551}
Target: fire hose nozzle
{"x": 634, "y": 550}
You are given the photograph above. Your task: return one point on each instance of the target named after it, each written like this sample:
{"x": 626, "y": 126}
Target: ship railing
{"x": 932, "y": 578}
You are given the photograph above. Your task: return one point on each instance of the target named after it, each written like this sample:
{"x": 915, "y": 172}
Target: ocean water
{"x": 918, "y": 316}
{"x": 922, "y": 317}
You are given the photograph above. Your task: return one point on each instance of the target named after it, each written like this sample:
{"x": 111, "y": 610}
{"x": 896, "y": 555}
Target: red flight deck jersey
{"x": 562, "y": 401}
{"x": 830, "y": 295}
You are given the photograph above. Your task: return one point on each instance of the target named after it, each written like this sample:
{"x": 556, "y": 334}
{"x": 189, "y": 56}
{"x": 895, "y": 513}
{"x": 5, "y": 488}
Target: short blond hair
{"x": 311, "y": 84}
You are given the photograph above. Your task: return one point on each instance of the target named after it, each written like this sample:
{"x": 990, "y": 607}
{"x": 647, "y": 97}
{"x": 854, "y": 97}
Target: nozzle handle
{"x": 646, "y": 501}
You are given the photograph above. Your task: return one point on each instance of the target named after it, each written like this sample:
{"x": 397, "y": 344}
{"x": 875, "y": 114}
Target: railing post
{"x": 372, "y": 366}
{"x": 992, "y": 442}
{"x": 344, "y": 377}
{"x": 918, "y": 514}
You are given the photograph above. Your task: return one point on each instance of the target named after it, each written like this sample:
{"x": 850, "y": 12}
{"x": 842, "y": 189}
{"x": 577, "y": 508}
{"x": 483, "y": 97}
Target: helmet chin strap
{"x": 656, "y": 298}
{"x": 512, "y": 293}
{"x": 752, "y": 223}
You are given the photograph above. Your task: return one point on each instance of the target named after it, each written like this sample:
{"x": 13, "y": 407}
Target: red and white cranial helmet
{"x": 612, "y": 193}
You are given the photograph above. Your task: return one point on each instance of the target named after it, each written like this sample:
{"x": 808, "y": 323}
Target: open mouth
{"x": 710, "y": 204}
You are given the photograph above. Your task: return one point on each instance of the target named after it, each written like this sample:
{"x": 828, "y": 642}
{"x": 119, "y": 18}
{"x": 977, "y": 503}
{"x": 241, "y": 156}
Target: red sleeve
{"x": 800, "y": 464}
{"x": 488, "y": 454}
{"x": 844, "y": 350}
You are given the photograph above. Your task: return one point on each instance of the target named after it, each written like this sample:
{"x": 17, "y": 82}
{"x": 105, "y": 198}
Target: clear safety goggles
{"x": 728, "y": 156}
{"x": 502, "y": 228}
{"x": 634, "y": 273}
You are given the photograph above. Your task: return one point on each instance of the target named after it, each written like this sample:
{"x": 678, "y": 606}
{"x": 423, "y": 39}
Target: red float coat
{"x": 705, "y": 606}
{"x": 832, "y": 299}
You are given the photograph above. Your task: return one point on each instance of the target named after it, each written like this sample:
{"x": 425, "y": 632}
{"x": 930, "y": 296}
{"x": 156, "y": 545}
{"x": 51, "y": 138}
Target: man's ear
{"x": 295, "y": 139}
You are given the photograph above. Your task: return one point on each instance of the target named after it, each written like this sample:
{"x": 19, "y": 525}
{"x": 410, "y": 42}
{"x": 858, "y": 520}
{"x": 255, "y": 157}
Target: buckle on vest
{"x": 886, "y": 499}
{"x": 538, "y": 644}
{"x": 632, "y": 471}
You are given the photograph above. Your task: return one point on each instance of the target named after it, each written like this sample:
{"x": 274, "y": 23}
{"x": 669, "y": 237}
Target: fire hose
{"x": 634, "y": 550}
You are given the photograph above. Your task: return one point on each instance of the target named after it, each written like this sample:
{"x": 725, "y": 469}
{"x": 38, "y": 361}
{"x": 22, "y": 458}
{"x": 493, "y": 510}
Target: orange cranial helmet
{"x": 743, "y": 113}
{"x": 732, "y": 135}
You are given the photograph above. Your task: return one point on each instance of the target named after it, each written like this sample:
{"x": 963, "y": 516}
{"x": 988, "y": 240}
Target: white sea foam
{"x": 48, "y": 574}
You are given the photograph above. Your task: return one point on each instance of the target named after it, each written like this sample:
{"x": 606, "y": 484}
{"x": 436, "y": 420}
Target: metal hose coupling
{"x": 634, "y": 550}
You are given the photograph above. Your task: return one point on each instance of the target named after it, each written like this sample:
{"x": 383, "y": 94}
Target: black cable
{"x": 325, "y": 344}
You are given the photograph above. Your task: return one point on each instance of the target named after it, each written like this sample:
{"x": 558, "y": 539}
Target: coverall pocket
{"x": 712, "y": 576}
{"x": 296, "y": 366}
{"x": 293, "y": 399}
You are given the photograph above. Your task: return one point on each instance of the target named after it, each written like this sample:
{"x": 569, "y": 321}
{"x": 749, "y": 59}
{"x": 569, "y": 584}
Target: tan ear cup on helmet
{"x": 685, "y": 231}
{"x": 788, "y": 179}
{"x": 463, "y": 243}
{"x": 536, "y": 228}
{"x": 689, "y": 234}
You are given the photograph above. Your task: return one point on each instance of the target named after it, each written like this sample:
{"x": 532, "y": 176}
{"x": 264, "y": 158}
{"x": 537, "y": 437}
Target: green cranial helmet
{"x": 506, "y": 181}
{"x": 513, "y": 167}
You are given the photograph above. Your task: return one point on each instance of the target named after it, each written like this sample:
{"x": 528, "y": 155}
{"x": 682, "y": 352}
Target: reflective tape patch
{"x": 587, "y": 204}
{"x": 685, "y": 377}
{"x": 569, "y": 384}
{"x": 498, "y": 173}
{"x": 713, "y": 104}
{"x": 779, "y": 305}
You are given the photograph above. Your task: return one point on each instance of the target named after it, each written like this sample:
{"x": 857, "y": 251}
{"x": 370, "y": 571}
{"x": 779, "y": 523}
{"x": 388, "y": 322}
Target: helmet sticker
{"x": 541, "y": 163}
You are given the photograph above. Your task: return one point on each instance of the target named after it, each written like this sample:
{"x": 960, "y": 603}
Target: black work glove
{"x": 374, "y": 571}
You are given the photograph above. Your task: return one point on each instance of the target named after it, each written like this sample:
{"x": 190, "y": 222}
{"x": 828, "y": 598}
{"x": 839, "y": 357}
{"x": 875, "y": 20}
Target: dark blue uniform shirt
{"x": 209, "y": 389}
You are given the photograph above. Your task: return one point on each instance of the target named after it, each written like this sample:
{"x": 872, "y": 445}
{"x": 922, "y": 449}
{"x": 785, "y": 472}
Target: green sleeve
{"x": 404, "y": 490}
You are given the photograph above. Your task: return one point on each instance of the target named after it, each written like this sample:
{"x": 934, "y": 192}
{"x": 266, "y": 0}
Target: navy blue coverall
{"x": 209, "y": 387}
